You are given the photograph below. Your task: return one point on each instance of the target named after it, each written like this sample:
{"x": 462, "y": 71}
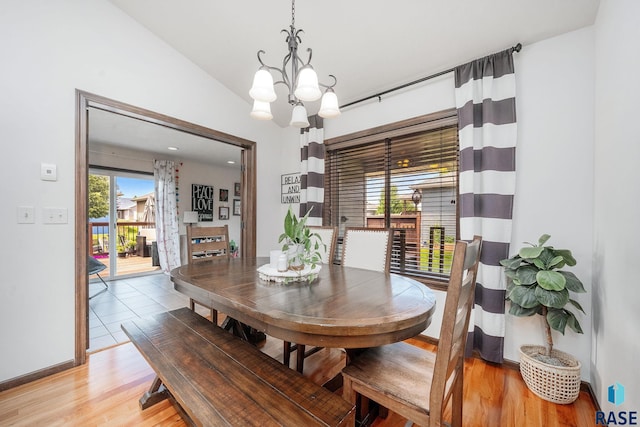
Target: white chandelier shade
{"x": 329, "y": 106}
{"x": 307, "y": 87}
{"x": 299, "y": 117}
{"x": 262, "y": 89}
{"x": 261, "y": 110}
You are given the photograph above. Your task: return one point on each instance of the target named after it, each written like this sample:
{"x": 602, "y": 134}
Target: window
{"x": 402, "y": 176}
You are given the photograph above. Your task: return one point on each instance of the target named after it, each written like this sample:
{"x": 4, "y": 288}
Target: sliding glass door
{"x": 122, "y": 222}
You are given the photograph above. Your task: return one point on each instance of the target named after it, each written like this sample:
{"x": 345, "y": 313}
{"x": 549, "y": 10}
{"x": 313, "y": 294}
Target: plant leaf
{"x": 573, "y": 323}
{"x": 555, "y": 261}
{"x": 551, "y": 280}
{"x": 566, "y": 254}
{"x": 511, "y": 274}
{"x": 546, "y": 256}
{"x": 526, "y": 275}
{"x": 577, "y": 305}
{"x": 557, "y": 319}
{"x": 510, "y": 286}
{"x": 530, "y": 253}
{"x": 524, "y": 296}
{"x": 573, "y": 283}
{"x": 543, "y": 239}
{"x": 552, "y": 299}
{"x": 539, "y": 263}
{"x": 511, "y": 263}
{"x": 516, "y": 310}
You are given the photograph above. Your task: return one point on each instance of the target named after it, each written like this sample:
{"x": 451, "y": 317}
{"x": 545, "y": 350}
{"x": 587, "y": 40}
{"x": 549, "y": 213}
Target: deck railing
{"x": 125, "y": 232}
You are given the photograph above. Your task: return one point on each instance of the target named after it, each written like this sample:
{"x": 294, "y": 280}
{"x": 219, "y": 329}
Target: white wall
{"x": 554, "y": 85}
{"x": 554, "y": 185}
{"x": 616, "y": 227}
{"x": 57, "y": 47}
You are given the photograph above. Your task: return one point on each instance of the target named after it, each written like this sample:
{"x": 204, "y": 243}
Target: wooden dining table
{"x": 343, "y": 307}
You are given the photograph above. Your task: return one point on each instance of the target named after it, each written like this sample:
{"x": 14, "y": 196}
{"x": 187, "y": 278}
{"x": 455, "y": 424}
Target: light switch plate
{"x": 48, "y": 172}
{"x": 26, "y": 215}
{"x": 54, "y": 215}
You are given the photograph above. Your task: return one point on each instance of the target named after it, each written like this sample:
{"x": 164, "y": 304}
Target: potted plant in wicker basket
{"x": 536, "y": 285}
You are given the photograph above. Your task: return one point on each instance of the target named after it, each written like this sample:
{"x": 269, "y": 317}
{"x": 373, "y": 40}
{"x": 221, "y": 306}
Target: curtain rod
{"x": 515, "y": 48}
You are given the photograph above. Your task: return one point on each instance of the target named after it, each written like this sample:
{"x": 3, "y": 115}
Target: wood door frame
{"x": 86, "y": 100}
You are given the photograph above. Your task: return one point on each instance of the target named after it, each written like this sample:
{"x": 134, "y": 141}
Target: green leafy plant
{"x": 536, "y": 285}
{"x": 296, "y": 233}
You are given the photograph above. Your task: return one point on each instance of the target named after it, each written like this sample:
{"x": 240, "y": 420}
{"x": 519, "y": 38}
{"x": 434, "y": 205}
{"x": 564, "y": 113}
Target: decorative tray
{"x": 270, "y": 274}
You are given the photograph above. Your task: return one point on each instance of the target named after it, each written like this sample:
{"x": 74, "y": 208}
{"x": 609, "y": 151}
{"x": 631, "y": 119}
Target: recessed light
{"x": 231, "y": 162}
{"x": 172, "y": 148}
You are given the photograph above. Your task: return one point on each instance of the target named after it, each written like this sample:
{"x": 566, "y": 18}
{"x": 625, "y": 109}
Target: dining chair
{"x": 367, "y": 248}
{"x": 328, "y": 236}
{"x": 413, "y": 382}
{"x": 195, "y": 237}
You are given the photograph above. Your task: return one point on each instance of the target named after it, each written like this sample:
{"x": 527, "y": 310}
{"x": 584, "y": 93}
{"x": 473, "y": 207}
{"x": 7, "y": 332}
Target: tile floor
{"x": 127, "y": 299}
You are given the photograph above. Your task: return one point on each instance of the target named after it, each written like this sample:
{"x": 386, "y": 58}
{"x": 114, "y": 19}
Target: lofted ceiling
{"x": 369, "y": 45}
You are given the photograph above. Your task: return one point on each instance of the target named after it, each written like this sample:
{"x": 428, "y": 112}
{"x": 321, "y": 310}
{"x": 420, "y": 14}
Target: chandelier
{"x": 302, "y": 82}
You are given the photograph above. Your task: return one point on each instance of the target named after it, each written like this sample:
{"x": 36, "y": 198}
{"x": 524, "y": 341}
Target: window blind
{"x": 407, "y": 182}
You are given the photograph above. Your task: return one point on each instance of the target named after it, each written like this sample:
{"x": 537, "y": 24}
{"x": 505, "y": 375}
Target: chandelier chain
{"x": 293, "y": 13}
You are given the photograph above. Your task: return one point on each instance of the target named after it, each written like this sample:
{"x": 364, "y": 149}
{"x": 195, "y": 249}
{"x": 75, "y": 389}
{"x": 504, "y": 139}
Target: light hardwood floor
{"x": 105, "y": 392}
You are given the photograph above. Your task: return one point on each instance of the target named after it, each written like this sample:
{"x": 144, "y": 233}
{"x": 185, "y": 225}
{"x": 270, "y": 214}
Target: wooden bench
{"x": 218, "y": 379}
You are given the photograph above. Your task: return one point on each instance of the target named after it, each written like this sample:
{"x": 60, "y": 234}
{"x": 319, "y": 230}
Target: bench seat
{"x": 219, "y": 379}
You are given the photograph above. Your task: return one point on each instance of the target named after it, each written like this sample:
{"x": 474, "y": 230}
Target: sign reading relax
{"x": 290, "y": 188}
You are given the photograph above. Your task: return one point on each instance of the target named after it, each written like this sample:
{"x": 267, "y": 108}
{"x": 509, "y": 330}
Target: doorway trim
{"x": 86, "y": 100}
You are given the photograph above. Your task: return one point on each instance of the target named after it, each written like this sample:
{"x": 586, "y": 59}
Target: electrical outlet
{"x": 54, "y": 216}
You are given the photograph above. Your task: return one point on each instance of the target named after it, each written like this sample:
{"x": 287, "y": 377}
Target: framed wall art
{"x": 223, "y": 212}
{"x": 224, "y": 195}
{"x": 202, "y": 201}
{"x": 236, "y": 207}
{"x": 236, "y": 189}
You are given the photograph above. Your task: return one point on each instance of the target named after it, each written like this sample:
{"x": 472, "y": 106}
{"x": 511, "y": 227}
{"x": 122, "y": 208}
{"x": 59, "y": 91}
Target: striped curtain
{"x": 485, "y": 100}
{"x": 312, "y": 170}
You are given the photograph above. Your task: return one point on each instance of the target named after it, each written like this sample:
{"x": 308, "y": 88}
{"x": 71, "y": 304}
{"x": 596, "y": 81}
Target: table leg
{"x": 244, "y": 331}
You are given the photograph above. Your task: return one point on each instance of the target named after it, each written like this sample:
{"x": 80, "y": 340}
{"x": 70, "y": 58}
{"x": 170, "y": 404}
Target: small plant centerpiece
{"x": 301, "y": 245}
{"x": 536, "y": 285}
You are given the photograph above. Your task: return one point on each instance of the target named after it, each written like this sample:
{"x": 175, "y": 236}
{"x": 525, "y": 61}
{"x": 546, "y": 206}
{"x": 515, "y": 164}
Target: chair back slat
{"x": 196, "y": 232}
{"x": 367, "y": 248}
{"x": 455, "y": 321}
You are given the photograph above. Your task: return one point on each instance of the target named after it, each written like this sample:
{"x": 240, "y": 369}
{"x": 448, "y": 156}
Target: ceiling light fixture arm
{"x": 335, "y": 81}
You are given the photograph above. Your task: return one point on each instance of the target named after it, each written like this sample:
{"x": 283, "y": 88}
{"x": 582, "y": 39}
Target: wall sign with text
{"x": 202, "y": 201}
{"x": 290, "y": 188}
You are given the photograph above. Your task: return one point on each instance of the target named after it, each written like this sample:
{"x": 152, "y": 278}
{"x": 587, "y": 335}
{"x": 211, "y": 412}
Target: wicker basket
{"x": 557, "y": 384}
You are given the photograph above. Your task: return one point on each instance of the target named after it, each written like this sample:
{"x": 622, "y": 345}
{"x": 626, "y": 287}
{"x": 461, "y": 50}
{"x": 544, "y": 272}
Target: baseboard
{"x": 511, "y": 364}
{"x": 36, "y": 375}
